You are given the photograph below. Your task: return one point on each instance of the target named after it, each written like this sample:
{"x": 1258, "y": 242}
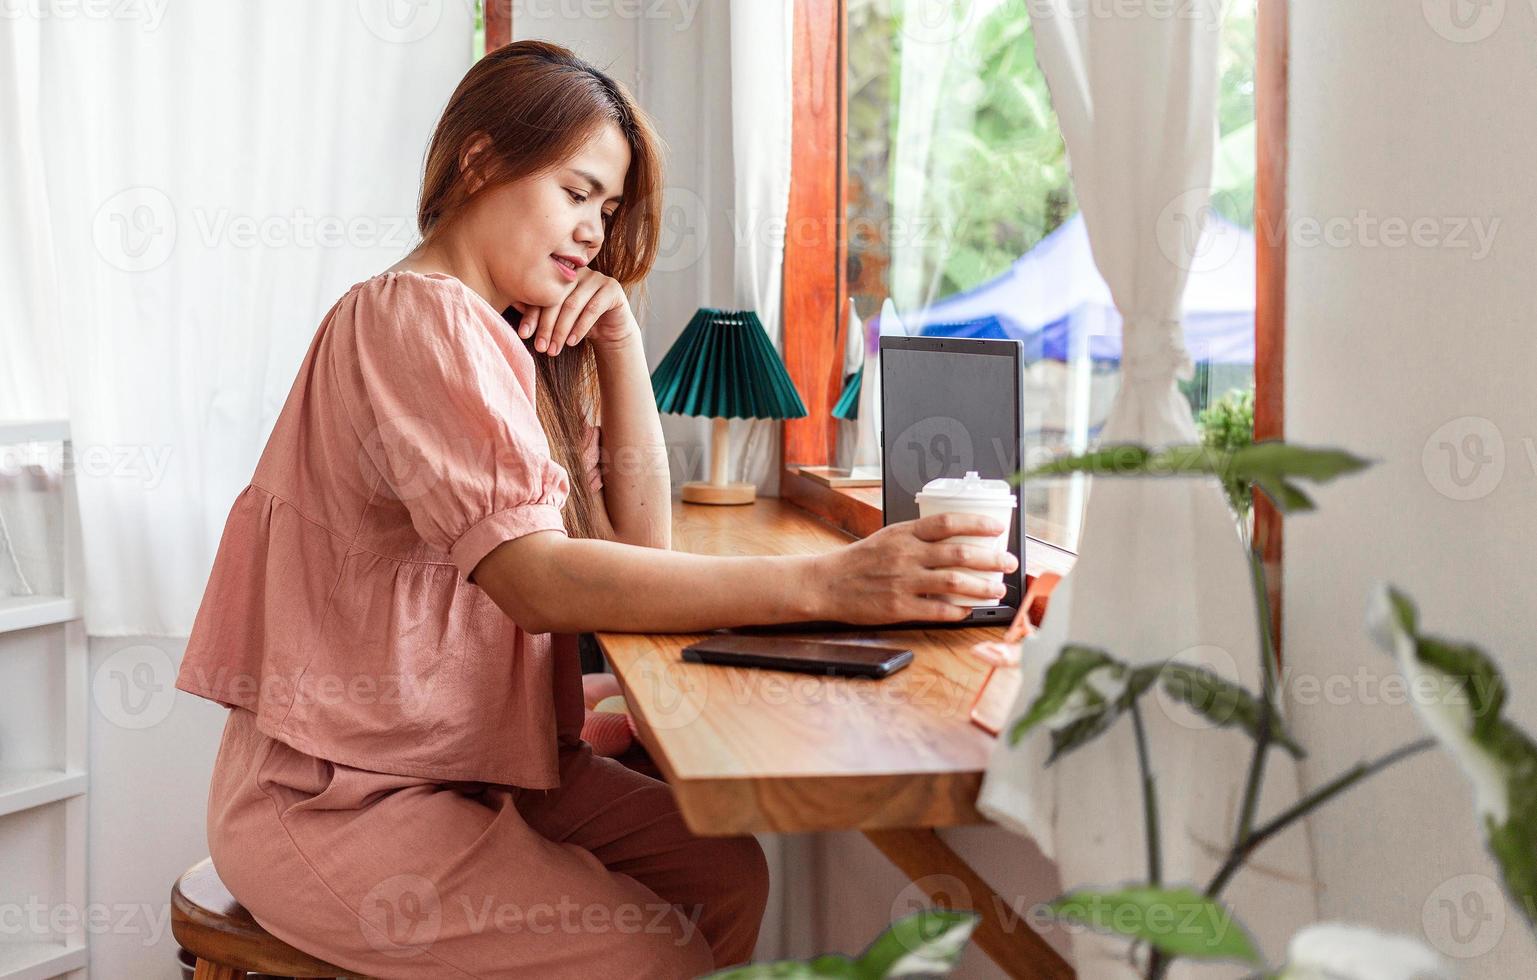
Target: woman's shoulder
{"x": 412, "y": 299}
{"x": 395, "y": 282}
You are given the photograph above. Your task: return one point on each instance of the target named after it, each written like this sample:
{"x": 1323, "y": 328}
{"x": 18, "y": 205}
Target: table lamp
{"x": 723, "y": 366}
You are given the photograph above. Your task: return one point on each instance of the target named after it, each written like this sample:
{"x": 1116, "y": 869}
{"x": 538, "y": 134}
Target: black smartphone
{"x": 830, "y": 657}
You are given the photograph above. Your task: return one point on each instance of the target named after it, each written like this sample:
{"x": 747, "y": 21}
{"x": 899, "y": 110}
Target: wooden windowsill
{"x": 857, "y": 510}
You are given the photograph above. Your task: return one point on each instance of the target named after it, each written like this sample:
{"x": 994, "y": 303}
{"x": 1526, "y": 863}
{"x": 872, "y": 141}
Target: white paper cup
{"x": 971, "y": 495}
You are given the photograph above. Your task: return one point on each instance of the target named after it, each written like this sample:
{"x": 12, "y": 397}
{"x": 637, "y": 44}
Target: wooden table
{"x": 753, "y": 750}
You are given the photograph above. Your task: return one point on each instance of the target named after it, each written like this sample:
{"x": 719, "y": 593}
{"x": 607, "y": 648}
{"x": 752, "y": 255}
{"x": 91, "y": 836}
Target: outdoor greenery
{"x": 1227, "y": 425}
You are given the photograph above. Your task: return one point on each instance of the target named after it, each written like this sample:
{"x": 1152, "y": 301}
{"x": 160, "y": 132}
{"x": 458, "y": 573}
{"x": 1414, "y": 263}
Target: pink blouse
{"x": 339, "y": 608}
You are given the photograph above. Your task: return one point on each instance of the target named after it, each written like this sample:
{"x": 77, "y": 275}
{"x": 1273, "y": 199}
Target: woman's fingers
{"x": 566, "y": 316}
{"x": 529, "y": 323}
{"x": 953, "y": 554}
{"x": 951, "y": 582}
{"x": 936, "y": 527}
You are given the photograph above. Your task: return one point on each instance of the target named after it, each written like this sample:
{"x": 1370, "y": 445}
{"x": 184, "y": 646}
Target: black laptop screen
{"x": 946, "y": 409}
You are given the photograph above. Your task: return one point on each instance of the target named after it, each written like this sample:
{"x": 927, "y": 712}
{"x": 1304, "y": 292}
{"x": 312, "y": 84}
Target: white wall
{"x": 151, "y": 757}
{"x": 1393, "y": 351}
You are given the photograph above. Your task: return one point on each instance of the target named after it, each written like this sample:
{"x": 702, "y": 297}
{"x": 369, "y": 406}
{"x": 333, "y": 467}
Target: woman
{"x": 401, "y": 788}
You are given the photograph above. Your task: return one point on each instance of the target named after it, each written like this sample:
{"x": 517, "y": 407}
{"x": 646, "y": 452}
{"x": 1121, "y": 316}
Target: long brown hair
{"x": 539, "y": 103}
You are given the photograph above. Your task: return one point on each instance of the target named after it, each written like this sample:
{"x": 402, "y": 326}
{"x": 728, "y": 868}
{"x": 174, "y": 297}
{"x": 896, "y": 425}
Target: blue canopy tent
{"x": 1053, "y": 294}
{"x": 1053, "y": 299}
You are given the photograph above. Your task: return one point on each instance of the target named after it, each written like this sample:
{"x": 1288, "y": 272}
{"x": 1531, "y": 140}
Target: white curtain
{"x": 761, "y": 65}
{"x": 1160, "y": 573}
{"x": 186, "y": 188}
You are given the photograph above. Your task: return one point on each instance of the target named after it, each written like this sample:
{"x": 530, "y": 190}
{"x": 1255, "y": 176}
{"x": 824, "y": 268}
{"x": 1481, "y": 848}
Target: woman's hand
{"x": 887, "y": 577}
{"x": 596, "y": 307}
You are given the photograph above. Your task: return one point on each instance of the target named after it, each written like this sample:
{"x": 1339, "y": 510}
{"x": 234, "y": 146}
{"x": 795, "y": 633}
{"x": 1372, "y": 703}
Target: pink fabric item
{"x": 596, "y": 687}
{"x": 610, "y": 733}
{"x": 401, "y": 877}
{"x": 339, "y": 608}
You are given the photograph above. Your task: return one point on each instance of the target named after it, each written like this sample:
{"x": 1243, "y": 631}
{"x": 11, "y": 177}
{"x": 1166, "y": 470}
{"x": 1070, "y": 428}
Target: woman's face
{"x": 523, "y": 226}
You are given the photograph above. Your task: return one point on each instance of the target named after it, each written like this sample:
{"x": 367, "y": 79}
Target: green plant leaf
{"x": 1287, "y": 497}
{"x": 822, "y": 967}
{"x": 1514, "y": 842}
{"x": 1098, "y": 718}
{"x": 1064, "y": 681}
{"x": 1122, "y": 460}
{"x": 1223, "y": 703}
{"x": 1177, "y": 921}
{"x": 925, "y": 944}
{"x": 1272, "y": 466}
{"x": 1464, "y": 713}
{"x": 1274, "y": 459}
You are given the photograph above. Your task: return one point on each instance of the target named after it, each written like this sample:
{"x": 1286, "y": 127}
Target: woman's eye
{"x": 577, "y": 198}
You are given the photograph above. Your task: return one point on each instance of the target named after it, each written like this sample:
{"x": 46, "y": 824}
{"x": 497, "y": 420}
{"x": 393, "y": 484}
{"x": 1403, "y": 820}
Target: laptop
{"x": 948, "y": 405}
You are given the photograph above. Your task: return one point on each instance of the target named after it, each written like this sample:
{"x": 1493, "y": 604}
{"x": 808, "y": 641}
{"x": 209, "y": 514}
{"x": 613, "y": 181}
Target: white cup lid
{"x": 969, "y": 487}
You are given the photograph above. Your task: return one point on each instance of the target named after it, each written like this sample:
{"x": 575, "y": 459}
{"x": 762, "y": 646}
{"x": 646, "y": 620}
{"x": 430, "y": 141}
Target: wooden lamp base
{"x": 697, "y": 492}
{"x": 717, "y": 490}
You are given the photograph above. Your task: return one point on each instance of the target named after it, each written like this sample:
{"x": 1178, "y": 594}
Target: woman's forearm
{"x": 550, "y": 583}
{"x": 637, "y": 488}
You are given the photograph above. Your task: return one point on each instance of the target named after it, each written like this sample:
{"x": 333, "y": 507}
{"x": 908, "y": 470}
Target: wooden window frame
{"x": 816, "y": 254}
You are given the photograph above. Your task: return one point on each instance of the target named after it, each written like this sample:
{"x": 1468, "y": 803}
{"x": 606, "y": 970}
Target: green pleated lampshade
{"x": 724, "y": 366}
{"x": 847, "y": 407}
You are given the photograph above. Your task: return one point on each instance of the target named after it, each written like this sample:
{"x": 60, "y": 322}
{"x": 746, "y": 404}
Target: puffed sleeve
{"x": 445, "y": 412}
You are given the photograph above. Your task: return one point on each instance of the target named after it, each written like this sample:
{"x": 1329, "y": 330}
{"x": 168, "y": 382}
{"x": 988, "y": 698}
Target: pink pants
{"x": 399, "y": 876}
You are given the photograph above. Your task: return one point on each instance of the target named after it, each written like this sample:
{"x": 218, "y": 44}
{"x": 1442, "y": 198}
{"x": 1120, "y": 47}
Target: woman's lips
{"x": 565, "y": 270}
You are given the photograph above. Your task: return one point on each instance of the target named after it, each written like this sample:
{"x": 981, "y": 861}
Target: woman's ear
{"x": 473, "y": 160}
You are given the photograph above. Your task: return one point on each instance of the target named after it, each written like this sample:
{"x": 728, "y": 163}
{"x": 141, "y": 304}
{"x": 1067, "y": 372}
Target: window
{"x": 960, "y": 218}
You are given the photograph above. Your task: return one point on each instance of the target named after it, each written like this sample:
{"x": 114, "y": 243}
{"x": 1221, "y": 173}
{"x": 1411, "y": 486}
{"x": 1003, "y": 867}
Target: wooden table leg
{"x": 1018, "y": 950}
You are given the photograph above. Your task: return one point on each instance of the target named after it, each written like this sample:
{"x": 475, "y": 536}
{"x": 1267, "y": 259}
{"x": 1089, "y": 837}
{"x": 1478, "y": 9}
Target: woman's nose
{"x": 590, "y": 233}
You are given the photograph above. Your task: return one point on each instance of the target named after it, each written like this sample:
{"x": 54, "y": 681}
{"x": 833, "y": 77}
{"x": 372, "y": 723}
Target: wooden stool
{"x": 208, "y": 923}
